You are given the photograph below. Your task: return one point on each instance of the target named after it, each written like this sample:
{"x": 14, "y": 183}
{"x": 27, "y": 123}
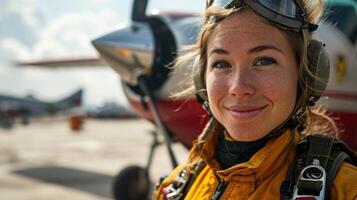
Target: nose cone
{"x": 129, "y": 50}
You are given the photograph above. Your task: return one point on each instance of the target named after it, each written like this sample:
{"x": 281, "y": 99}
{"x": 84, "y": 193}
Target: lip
{"x": 245, "y": 111}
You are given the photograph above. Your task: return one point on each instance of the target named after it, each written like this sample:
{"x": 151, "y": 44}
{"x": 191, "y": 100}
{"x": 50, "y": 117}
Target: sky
{"x": 45, "y": 29}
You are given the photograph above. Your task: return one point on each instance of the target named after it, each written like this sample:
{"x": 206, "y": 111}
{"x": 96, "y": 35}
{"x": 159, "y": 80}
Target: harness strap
{"x": 340, "y": 153}
{"x": 287, "y": 186}
{"x": 312, "y": 178}
{"x": 314, "y": 150}
{"x": 319, "y": 149}
{"x": 310, "y": 187}
{"x": 329, "y": 152}
{"x": 198, "y": 168}
{"x": 336, "y": 162}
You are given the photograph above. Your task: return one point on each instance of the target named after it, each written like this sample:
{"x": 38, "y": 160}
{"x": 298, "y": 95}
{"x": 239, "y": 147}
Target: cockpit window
{"x": 344, "y": 17}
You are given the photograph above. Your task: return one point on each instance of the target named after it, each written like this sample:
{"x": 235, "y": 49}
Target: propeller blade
{"x": 139, "y": 10}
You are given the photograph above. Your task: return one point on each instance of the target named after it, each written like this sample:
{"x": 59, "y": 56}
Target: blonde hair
{"x": 316, "y": 121}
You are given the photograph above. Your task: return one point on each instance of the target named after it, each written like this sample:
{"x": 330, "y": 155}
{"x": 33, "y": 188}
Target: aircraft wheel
{"x": 132, "y": 183}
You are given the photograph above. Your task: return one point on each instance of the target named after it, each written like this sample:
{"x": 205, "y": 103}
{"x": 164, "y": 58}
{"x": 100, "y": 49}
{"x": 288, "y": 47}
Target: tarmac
{"x": 46, "y": 160}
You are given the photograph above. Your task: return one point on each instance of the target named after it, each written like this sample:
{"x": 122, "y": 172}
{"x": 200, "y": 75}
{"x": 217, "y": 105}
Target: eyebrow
{"x": 264, "y": 47}
{"x": 252, "y": 50}
{"x": 219, "y": 51}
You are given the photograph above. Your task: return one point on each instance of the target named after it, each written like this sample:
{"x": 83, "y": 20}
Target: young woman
{"x": 258, "y": 73}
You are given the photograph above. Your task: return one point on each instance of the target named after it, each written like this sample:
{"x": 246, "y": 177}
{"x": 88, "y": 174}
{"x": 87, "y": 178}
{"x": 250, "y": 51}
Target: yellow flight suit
{"x": 257, "y": 179}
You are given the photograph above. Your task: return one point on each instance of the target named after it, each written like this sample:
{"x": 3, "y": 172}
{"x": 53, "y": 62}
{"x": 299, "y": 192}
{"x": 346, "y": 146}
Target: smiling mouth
{"x": 245, "y": 112}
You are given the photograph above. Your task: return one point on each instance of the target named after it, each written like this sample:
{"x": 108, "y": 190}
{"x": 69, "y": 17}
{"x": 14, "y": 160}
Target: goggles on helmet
{"x": 287, "y": 13}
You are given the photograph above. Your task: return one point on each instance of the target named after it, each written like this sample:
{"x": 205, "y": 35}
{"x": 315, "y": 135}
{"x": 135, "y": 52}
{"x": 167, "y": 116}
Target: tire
{"x": 132, "y": 183}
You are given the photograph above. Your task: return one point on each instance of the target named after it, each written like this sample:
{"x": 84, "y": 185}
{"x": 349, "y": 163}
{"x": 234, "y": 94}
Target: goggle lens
{"x": 283, "y": 7}
{"x": 284, "y": 12}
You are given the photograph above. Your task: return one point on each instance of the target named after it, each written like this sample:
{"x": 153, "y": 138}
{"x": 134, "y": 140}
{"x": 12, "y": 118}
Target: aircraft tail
{"x": 74, "y": 100}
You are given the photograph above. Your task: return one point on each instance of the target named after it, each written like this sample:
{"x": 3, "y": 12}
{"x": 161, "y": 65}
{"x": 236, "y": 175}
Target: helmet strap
{"x": 207, "y": 108}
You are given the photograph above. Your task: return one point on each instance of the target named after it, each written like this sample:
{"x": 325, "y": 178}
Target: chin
{"x": 245, "y": 134}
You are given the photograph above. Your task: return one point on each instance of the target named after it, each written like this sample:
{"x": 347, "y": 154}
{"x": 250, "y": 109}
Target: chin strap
{"x": 298, "y": 119}
{"x": 295, "y": 121}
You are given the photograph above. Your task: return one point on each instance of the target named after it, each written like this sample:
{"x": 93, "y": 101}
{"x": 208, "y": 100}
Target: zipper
{"x": 222, "y": 185}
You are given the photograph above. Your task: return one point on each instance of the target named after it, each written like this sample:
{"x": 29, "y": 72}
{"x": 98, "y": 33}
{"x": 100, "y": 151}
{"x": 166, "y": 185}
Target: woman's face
{"x": 251, "y": 76}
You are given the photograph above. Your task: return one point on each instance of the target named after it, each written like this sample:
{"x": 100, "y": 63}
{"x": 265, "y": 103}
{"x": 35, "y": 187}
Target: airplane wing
{"x": 64, "y": 63}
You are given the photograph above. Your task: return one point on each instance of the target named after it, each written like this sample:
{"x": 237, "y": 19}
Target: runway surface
{"x": 46, "y": 160}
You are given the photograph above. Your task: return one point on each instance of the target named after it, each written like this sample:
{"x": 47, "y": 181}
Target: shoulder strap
{"x": 197, "y": 169}
{"x": 312, "y": 177}
{"x": 340, "y": 153}
{"x": 320, "y": 150}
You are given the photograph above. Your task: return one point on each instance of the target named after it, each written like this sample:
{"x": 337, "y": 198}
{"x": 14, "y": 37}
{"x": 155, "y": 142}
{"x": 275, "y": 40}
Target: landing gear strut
{"x": 133, "y": 182}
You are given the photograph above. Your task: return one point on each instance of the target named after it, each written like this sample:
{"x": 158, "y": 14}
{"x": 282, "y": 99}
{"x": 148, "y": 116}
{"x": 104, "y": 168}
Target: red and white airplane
{"x": 140, "y": 52}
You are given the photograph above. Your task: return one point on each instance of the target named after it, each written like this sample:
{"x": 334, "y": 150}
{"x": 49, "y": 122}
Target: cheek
{"x": 280, "y": 90}
{"x": 216, "y": 88}
{"x": 272, "y": 91}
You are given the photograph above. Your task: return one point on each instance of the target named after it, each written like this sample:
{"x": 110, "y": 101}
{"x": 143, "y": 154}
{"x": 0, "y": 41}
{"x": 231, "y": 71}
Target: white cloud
{"x": 29, "y": 36}
{"x": 12, "y": 48}
{"x": 71, "y": 34}
{"x": 31, "y": 13}
{"x": 16, "y": 22}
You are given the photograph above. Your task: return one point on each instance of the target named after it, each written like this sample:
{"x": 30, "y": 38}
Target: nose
{"x": 242, "y": 84}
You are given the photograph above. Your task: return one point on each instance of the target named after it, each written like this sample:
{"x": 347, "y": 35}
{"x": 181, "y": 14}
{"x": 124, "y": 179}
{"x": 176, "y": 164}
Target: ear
{"x": 319, "y": 66}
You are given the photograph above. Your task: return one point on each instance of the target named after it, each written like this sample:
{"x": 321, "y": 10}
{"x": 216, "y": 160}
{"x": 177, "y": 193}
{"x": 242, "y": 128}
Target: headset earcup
{"x": 319, "y": 66}
{"x": 198, "y": 76}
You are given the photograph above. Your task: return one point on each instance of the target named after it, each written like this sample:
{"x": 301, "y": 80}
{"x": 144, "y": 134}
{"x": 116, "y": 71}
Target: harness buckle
{"x": 311, "y": 183}
{"x": 174, "y": 190}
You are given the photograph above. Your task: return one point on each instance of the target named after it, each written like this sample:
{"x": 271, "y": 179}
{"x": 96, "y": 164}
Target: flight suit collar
{"x": 261, "y": 165}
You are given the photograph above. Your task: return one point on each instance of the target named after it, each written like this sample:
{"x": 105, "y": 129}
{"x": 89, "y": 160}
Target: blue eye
{"x": 263, "y": 61}
{"x": 221, "y": 64}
